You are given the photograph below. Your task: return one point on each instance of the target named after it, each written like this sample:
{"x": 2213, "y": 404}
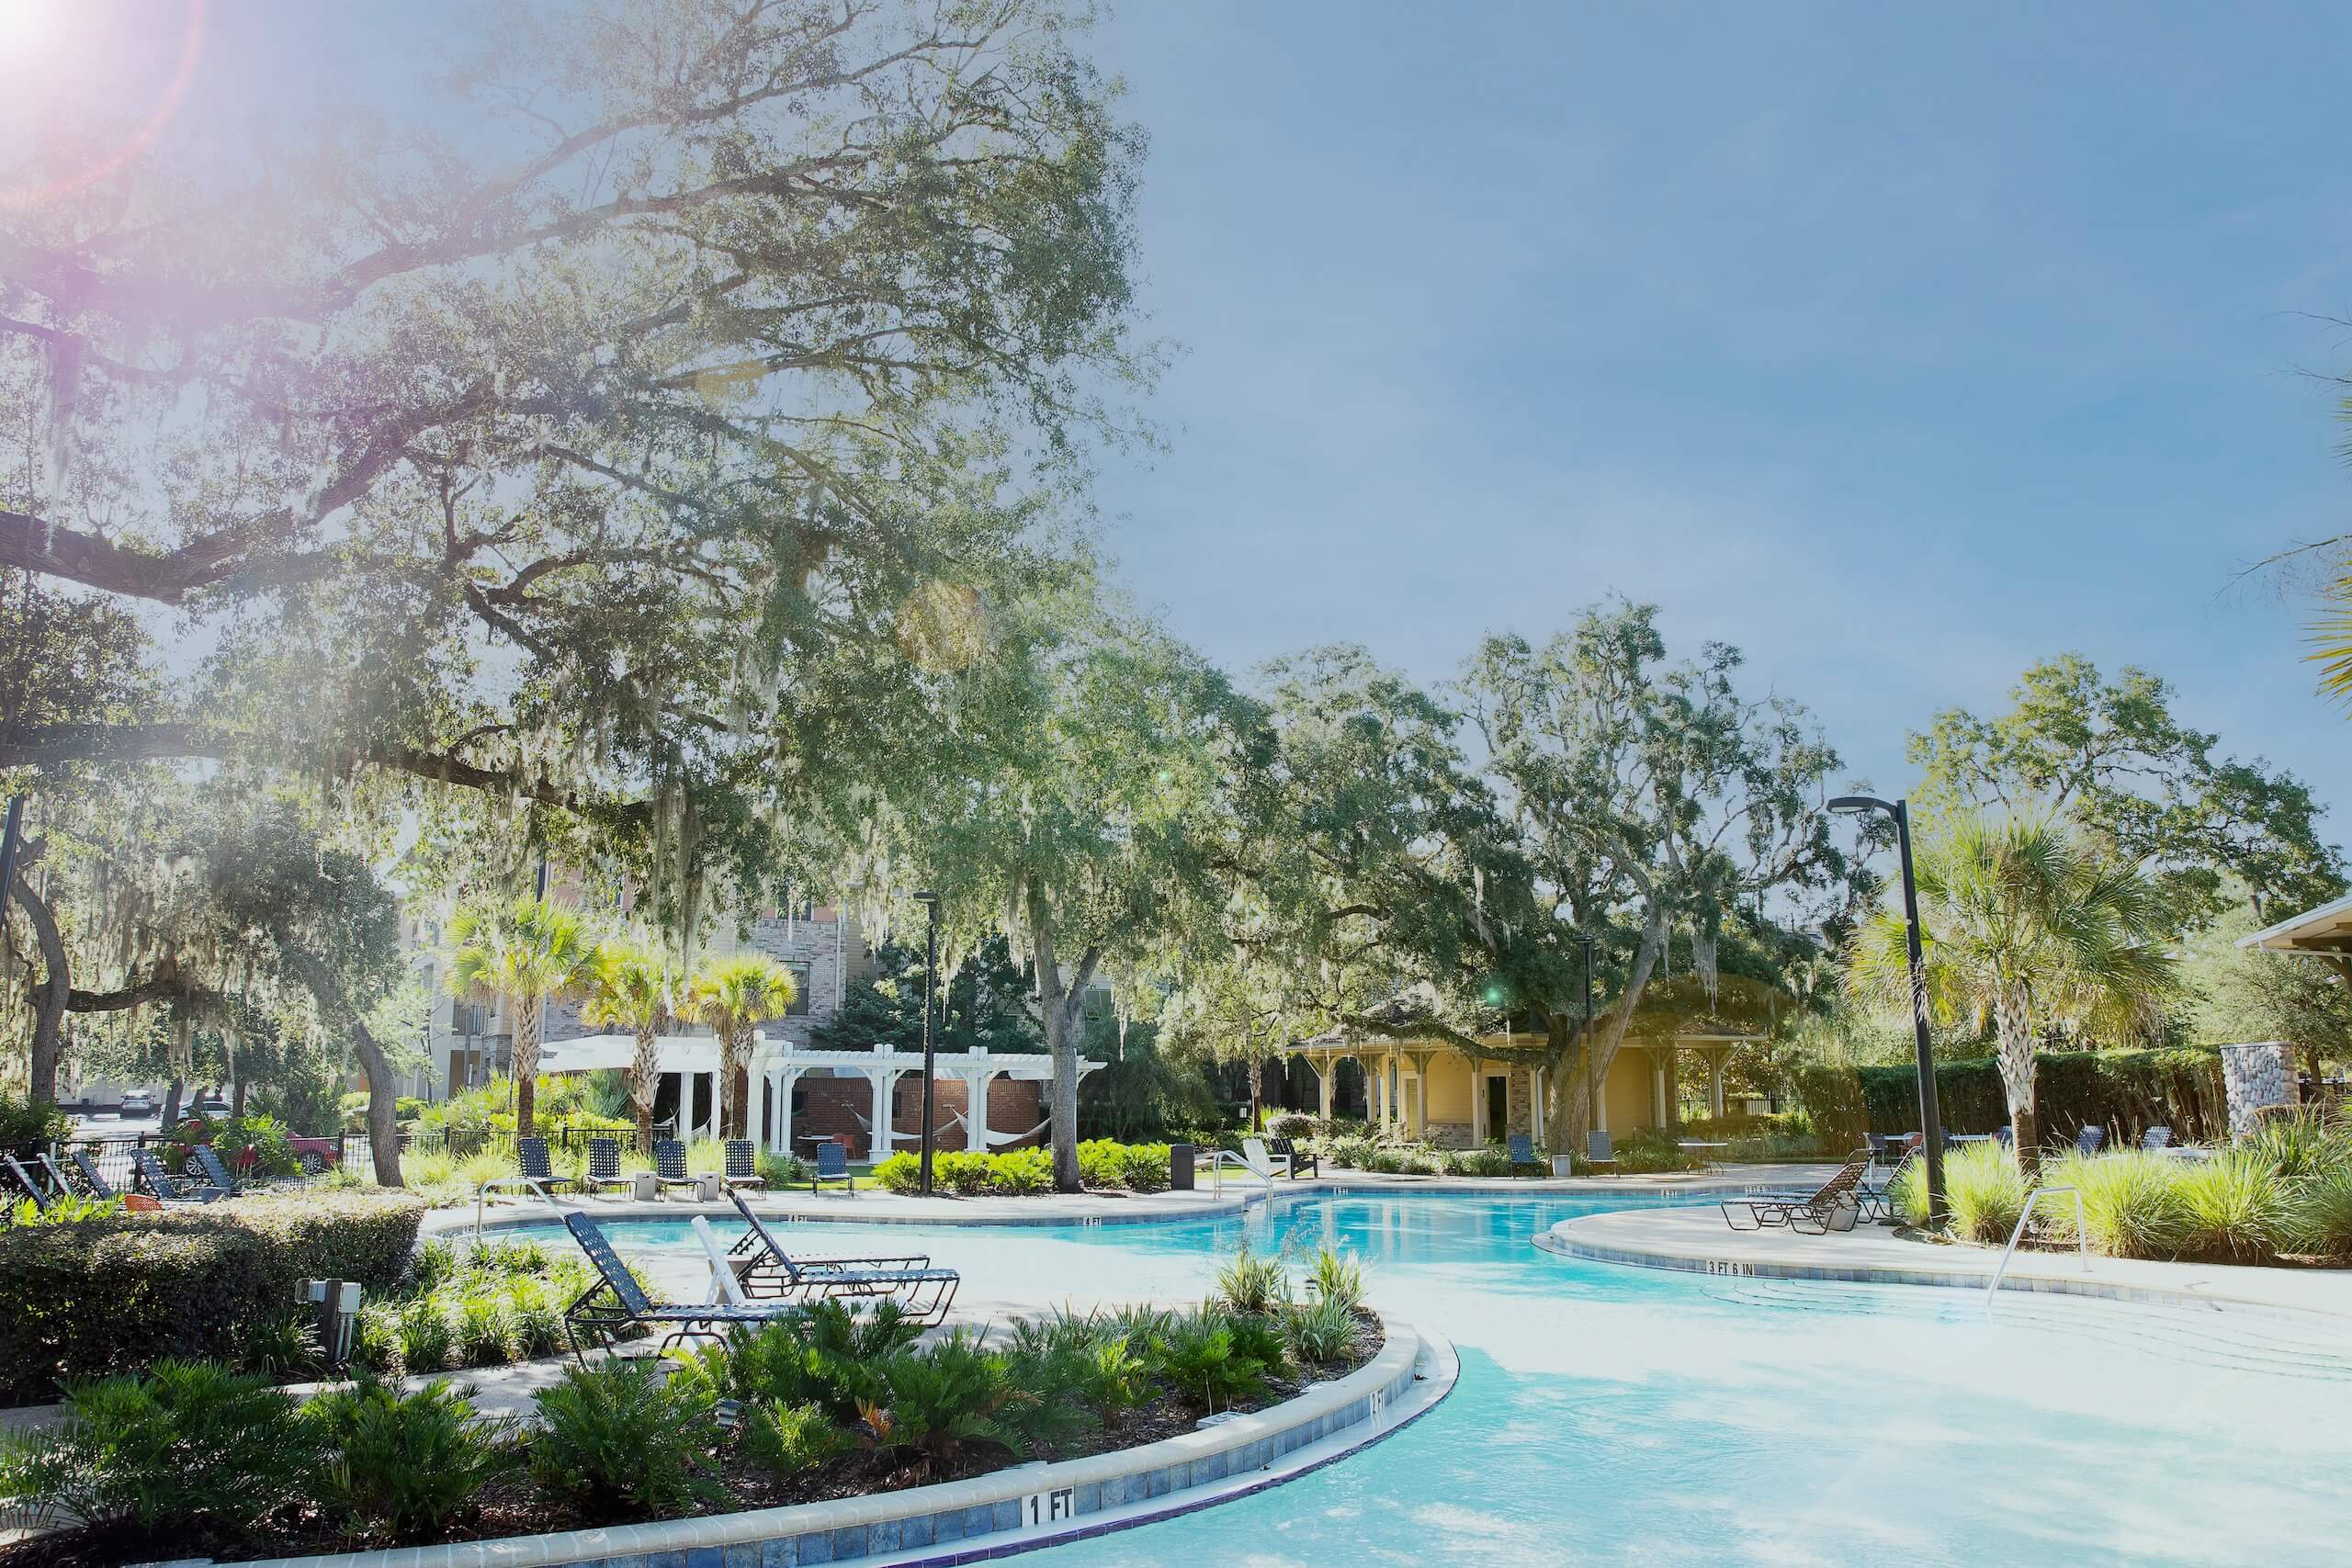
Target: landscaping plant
{"x": 404, "y": 1465}
{"x": 624, "y": 1440}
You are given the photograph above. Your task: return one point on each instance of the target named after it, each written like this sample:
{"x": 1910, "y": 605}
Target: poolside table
{"x": 1709, "y": 1154}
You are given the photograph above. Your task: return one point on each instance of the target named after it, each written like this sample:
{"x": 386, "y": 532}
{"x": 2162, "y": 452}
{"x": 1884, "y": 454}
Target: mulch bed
{"x": 517, "y": 1507}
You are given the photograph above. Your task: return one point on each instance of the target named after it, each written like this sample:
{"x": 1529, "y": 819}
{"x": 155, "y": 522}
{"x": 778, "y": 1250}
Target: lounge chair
{"x": 2007, "y": 1136}
{"x": 765, "y": 1269}
{"x": 2156, "y": 1137}
{"x": 1523, "y": 1149}
{"x": 1601, "y": 1152}
{"x": 743, "y": 1166}
{"x": 531, "y": 1160}
{"x": 2090, "y": 1140}
{"x": 59, "y": 1182}
{"x": 168, "y": 1187}
{"x": 27, "y": 1186}
{"x": 216, "y": 1174}
{"x": 605, "y": 1167}
{"x": 1811, "y": 1213}
{"x": 1878, "y": 1197}
{"x": 832, "y": 1164}
{"x": 670, "y": 1165}
{"x": 93, "y": 1178}
{"x": 1284, "y": 1152}
{"x": 600, "y": 1321}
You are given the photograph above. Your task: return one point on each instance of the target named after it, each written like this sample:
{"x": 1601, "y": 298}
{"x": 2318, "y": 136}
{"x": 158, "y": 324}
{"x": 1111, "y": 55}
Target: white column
{"x": 975, "y": 1106}
{"x": 1535, "y": 1112}
{"x": 1480, "y": 1131}
{"x": 1421, "y": 1102}
{"x": 1658, "y": 1091}
{"x": 688, "y": 1084}
{"x": 878, "y": 1142}
{"x": 1323, "y": 1076}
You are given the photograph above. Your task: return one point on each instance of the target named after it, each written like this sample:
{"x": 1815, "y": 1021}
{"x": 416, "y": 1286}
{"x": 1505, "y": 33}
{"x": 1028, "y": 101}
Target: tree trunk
{"x": 526, "y": 1065}
{"x": 737, "y": 1115}
{"x": 49, "y": 998}
{"x": 172, "y": 1103}
{"x": 1579, "y": 1072}
{"x": 2016, "y": 1037}
{"x": 1058, "y": 1005}
{"x": 645, "y": 1082}
{"x": 383, "y": 1090}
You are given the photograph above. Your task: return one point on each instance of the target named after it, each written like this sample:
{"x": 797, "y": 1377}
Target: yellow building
{"x": 1436, "y": 1089}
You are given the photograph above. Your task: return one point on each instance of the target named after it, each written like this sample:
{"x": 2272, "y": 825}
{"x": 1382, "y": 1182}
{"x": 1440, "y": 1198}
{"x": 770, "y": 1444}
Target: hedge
{"x": 2125, "y": 1092}
{"x": 111, "y": 1294}
{"x": 1101, "y": 1164}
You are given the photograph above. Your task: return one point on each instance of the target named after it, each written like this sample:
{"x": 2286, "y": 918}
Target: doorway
{"x": 1498, "y": 1105}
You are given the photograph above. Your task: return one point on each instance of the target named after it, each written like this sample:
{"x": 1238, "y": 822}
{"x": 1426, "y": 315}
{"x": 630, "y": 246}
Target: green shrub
{"x": 1477, "y": 1162}
{"x": 1253, "y": 1284}
{"x": 787, "y": 1440}
{"x": 2321, "y": 1213}
{"x": 1335, "y": 1276}
{"x": 1985, "y": 1191}
{"x": 955, "y": 1395}
{"x": 2131, "y": 1205}
{"x": 2234, "y": 1205}
{"x": 1351, "y": 1151}
{"x": 406, "y": 1464}
{"x": 120, "y": 1291}
{"x": 1144, "y": 1168}
{"x": 64, "y": 1209}
{"x": 1020, "y": 1171}
{"x": 1320, "y": 1332}
{"x": 27, "y": 1128}
{"x": 281, "y": 1342}
{"x": 376, "y": 1340}
{"x": 187, "y": 1453}
{"x": 625, "y": 1442}
{"x": 484, "y": 1332}
{"x": 1910, "y": 1194}
{"x": 2180, "y": 1087}
{"x": 2297, "y": 1146}
{"x": 1199, "y": 1356}
{"x": 425, "y": 1338}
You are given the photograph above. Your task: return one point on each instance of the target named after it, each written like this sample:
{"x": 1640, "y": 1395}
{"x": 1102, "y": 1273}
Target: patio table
{"x": 1706, "y": 1152}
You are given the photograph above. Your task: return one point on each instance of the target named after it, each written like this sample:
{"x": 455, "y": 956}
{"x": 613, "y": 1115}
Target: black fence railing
{"x": 113, "y": 1154}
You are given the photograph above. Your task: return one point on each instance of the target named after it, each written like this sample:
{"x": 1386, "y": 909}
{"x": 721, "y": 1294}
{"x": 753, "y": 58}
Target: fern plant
{"x": 626, "y": 1442}
{"x": 406, "y": 1464}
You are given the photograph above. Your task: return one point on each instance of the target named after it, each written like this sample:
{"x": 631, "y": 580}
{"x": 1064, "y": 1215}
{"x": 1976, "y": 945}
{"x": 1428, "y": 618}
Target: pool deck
{"x": 1696, "y": 1240}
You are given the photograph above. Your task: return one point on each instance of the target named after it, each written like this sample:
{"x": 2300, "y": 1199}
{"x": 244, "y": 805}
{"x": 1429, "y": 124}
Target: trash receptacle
{"x": 1179, "y": 1167}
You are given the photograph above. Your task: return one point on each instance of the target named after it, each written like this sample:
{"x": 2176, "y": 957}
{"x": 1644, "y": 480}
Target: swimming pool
{"x": 1612, "y": 1413}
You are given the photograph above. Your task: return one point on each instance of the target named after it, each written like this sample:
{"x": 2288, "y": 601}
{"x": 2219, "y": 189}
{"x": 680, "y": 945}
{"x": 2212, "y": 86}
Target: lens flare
{"x": 35, "y": 38}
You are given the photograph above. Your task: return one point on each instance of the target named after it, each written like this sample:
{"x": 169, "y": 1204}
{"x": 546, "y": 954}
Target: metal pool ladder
{"x": 2082, "y": 1241}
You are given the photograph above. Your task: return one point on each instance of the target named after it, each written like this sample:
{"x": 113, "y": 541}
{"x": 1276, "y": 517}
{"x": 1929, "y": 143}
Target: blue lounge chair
{"x": 2156, "y": 1137}
{"x": 165, "y": 1187}
{"x": 742, "y": 1165}
{"x": 2090, "y": 1140}
{"x": 1523, "y": 1149}
{"x": 922, "y": 1292}
{"x": 1601, "y": 1152}
{"x": 26, "y": 1186}
{"x": 605, "y": 1165}
{"x": 670, "y": 1164}
{"x": 616, "y": 1303}
{"x": 93, "y": 1178}
{"x": 531, "y": 1161}
{"x": 832, "y": 1164}
{"x": 207, "y": 1164}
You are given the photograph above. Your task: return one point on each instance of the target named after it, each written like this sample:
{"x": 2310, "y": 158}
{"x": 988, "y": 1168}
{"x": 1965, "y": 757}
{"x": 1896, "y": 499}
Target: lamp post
{"x": 1932, "y": 1125}
{"x": 1592, "y": 1087}
{"x": 929, "y": 902}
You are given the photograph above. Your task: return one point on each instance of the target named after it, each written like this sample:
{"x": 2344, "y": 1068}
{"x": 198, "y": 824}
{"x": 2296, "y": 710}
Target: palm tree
{"x": 634, "y": 987}
{"x": 2024, "y": 927}
{"x": 731, "y": 995}
{"x": 526, "y": 954}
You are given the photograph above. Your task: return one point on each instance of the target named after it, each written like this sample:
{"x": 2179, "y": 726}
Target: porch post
{"x": 1324, "y": 1073}
{"x": 688, "y": 1084}
{"x": 877, "y": 1143}
{"x": 1658, "y": 1091}
{"x": 976, "y": 1079}
{"x": 1715, "y": 1084}
{"x": 1535, "y": 1112}
{"x": 1421, "y": 1099}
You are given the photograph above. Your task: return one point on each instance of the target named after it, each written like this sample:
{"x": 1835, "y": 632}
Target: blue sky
{"x": 1898, "y": 345}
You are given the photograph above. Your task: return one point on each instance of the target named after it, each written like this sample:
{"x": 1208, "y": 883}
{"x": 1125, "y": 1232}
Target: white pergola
{"x": 779, "y": 1065}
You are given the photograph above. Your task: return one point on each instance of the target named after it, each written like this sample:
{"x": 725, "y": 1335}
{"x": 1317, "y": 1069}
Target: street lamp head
{"x": 1846, "y": 803}
{"x": 930, "y": 899}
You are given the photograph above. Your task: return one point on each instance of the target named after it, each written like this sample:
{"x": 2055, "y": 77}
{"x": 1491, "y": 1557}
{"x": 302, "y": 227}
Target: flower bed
{"x": 193, "y": 1458}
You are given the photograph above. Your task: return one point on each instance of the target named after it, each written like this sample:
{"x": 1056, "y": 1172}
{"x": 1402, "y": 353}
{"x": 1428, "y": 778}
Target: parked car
{"x": 210, "y": 1105}
{"x": 136, "y": 1102}
{"x": 317, "y": 1154}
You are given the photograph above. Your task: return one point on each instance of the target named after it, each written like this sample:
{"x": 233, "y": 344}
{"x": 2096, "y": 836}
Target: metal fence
{"x": 112, "y": 1153}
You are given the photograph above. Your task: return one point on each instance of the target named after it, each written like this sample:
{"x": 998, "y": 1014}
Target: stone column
{"x": 2255, "y": 1078}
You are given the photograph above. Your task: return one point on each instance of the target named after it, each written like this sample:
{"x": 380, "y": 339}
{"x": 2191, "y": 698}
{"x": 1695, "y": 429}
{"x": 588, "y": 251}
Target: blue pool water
{"x": 1608, "y": 1413}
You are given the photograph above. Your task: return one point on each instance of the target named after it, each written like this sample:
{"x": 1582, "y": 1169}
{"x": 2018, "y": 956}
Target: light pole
{"x": 929, "y": 902}
{"x": 1591, "y": 1088}
{"x": 1931, "y": 1122}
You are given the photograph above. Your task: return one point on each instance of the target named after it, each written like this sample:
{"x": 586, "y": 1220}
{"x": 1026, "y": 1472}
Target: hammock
{"x": 995, "y": 1139}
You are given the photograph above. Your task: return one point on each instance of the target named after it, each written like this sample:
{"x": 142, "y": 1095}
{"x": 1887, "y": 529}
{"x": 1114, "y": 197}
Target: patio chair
{"x": 1286, "y": 1153}
{"x": 1813, "y": 1213}
{"x": 93, "y": 1178}
{"x": 59, "y": 1182}
{"x": 2007, "y": 1136}
{"x": 832, "y": 1164}
{"x": 1878, "y": 1197}
{"x": 167, "y": 1187}
{"x": 605, "y": 1167}
{"x": 26, "y": 1185}
{"x": 616, "y": 1303}
{"x": 2156, "y": 1137}
{"x": 2090, "y": 1140}
{"x": 742, "y": 1165}
{"x": 670, "y": 1165}
{"x": 531, "y": 1160}
{"x": 1523, "y": 1149}
{"x": 207, "y": 1162}
{"x": 1601, "y": 1152}
{"x": 764, "y": 1270}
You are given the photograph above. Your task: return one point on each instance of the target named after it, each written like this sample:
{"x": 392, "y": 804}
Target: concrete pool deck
{"x": 1696, "y": 1240}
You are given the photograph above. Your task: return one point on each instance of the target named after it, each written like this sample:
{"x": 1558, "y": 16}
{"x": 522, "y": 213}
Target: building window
{"x": 800, "y": 991}
{"x": 469, "y": 1017}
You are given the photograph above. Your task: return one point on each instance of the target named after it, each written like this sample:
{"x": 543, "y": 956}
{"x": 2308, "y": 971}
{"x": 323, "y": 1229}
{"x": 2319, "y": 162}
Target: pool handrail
{"x": 2035, "y": 1195}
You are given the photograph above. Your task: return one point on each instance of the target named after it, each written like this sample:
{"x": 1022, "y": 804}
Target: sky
{"x": 1897, "y": 345}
